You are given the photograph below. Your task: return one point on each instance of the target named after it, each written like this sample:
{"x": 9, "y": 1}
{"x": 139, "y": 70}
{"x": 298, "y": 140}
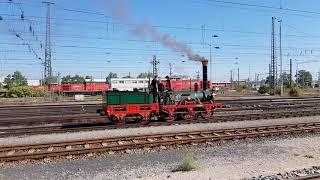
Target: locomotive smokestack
{"x": 204, "y": 74}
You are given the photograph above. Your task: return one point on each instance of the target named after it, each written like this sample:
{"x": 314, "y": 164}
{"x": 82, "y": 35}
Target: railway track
{"x": 49, "y": 110}
{"x": 80, "y": 117}
{"x": 308, "y": 177}
{"x": 106, "y": 125}
{"x": 37, "y": 151}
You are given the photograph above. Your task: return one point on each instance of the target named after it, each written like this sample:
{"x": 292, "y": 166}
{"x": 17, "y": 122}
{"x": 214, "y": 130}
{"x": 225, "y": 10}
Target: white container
{"x": 79, "y": 97}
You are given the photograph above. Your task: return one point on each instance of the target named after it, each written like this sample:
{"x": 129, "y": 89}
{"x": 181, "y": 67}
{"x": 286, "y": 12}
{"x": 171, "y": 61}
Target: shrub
{"x": 242, "y": 88}
{"x": 187, "y": 163}
{"x": 263, "y": 89}
{"x": 25, "y": 91}
{"x": 294, "y": 92}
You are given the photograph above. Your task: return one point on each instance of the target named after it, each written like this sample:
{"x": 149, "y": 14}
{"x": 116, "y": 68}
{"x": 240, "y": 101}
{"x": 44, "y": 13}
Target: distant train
{"x": 121, "y": 84}
{"x": 87, "y": 88}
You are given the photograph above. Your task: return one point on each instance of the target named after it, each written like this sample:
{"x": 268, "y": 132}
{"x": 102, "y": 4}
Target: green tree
{"x": 89, "y": 77}
{"x": 17, "y": 79}
{"x": 127, "y": 76}
{"x": 26, "y": 91}
{"x": 144, "y": 75}
{"x": 112, "y": 75}
{"x": 268, "y": 79}
{"x": 66, "y": 79}
{"x": 304, "y": 78}
{"x": 72, "y": 79}
{"x": 263, "y": 89}
{"x": 78, "y": 79}
{"x": 286, "y": 79}
{"x": 52, "y": 80}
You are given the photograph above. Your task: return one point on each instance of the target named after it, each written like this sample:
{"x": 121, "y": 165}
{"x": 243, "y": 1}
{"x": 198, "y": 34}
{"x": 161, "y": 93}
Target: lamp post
{"x": 237, "y": 63}
{"x": 210, "y": 45}
{"x": 170, "y": 68}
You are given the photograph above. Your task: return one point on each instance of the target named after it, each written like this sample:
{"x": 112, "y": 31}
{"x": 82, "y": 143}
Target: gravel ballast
{"x": 315, "y": 170}
{"x": 51, "y": 138}
{"x": 222, "y": 160}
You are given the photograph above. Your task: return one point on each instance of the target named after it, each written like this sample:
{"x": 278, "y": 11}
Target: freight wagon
{"x": 87, "y": 88}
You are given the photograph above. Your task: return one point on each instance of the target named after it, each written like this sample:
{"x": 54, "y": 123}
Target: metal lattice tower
{"x": 155, "y": 63}
{"x": 273, "y": 64}
{"x": 47, "y": 53}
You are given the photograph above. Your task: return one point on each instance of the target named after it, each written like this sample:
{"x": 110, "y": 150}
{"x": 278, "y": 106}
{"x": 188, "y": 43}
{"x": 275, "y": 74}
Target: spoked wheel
{"x": 190, "y": 116}
{"x": 188, "y": 101}
{"x": 145, "y": 120}
{"x": 206, "y": 115}
{"x": 166, "y": 116}
{"x": 117, "y": 120}
{"x": 170, "y": 118}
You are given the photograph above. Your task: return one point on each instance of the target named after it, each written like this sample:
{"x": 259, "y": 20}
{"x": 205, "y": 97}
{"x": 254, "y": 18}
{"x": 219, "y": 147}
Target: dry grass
{"x": 308, "y": 156}
{"x": 187, "y": 164}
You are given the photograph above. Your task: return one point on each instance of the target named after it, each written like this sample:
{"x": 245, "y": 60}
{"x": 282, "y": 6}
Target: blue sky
{"x": 95, "y": 44}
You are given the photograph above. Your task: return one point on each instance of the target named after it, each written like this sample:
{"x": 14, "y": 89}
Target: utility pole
{"x": 273, "y": 59}
{"x": 231, "y": 78}
{"x": 210, "y": 62}
{"x": 318, "y": 78}
{"x": 198, "y": 75}
{"x": 155, "y": 63}
{"x": 170, "y": 72}
{"x": 255, "y": 81}
{"x": 249, "y": 73}
{"x": 290, "y": 72}
{"x": 58, "y": 79}
{"x": 297, "y": 69}
{"x": 281, "y": 78}
{"x": 270, "y": 77}
{"x": 47, "y": 53}
{"x": 238, "y": 78}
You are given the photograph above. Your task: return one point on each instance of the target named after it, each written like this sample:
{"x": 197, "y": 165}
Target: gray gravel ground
{"x": 315, "y": 170}
{"x": 50, "y": 138}
{"x": 221, "y": 160}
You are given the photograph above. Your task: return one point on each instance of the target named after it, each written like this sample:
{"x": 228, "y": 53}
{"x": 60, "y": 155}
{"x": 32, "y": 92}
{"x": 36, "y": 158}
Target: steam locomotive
{"x": 159, "y": 104}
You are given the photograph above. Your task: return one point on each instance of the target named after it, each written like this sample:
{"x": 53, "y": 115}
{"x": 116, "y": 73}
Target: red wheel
{"x": 168, "y": 115}
{"x": 117, "y": 120}
{"x": 190, "y": 116}
{"x": 188, "y": 101}
{"x": 121, "y": 121}
{"x": 170, "y": 118}
{"x": 145, "y": 120}
{"x": 206, "y": 115}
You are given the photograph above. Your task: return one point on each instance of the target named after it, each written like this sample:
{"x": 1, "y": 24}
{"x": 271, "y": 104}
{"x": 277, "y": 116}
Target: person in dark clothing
{"x": 196, "y": 87}
{"x": 204, "y": 97}
{"x": 160, "y": 91}
{"x": 160, "y": 87}
{"x": 154, "y": 89}
{"x": 168, "y": 83}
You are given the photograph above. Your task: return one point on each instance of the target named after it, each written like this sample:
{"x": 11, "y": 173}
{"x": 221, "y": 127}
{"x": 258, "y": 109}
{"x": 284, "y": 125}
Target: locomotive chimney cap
{"x": 204, "y": 62}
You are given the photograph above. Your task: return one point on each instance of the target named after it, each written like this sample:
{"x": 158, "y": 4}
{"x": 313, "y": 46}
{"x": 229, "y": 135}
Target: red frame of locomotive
{"x": 143, "y": 113}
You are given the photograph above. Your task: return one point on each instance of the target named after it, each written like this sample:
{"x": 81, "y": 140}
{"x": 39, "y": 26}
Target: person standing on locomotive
{"x": 160, "y": 91}
{"x": 167, "y": 92}
{"x": 168, "y": 83}
{"x": 154, "y": 89}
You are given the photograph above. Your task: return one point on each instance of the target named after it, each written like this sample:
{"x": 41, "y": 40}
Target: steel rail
{"x": 36, "y": 151}
{"x": 308, "y": 177}
{"x": 91, "y": 104}
{"x": 104, "y": 126}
